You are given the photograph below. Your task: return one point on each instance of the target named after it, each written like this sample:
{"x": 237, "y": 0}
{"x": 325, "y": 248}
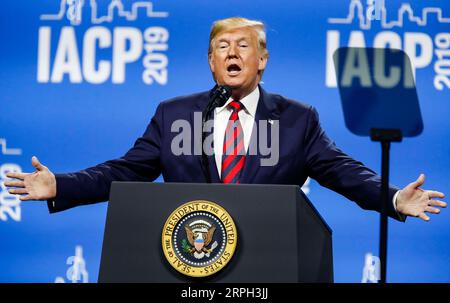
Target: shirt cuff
{"x": 402, "y": 217}
{"x": 394, "y": 200}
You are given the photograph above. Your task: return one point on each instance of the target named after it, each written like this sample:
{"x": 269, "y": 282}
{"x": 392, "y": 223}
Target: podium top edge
{"x": 209, "y": 184}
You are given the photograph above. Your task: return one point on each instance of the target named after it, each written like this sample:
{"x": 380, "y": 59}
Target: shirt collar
{"x": 250, "y": 102}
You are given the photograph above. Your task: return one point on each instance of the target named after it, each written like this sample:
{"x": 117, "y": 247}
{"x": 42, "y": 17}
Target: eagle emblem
{"x": 199, "y": 235}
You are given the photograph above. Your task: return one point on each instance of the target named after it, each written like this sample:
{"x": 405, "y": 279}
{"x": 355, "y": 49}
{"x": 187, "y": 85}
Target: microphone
{"x": 219, "y": 96}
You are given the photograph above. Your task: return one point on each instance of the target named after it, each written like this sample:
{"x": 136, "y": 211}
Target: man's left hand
{"x": 414, "y": 201}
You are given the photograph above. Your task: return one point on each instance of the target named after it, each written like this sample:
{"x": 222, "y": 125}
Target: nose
{"x": 233, "y": 50}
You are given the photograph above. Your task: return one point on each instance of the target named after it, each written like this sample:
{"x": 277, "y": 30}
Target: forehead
{"x": 237, "y": 34}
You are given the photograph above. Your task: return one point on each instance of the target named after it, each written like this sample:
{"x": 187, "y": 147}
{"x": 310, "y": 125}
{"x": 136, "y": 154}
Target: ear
{"x": 211, "y": 62}
{"x": 262, "y": 62}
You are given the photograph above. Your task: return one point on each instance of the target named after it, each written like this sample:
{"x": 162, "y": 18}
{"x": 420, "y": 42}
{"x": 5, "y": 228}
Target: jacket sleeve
{"x": 140, "y": 163}
{"x": 337, "y": 171}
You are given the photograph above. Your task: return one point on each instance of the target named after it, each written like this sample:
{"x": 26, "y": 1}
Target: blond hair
{"x": 228, "y": 24}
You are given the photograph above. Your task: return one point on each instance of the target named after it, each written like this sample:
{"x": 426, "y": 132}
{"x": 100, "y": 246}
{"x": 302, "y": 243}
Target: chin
{"x": 233, "y": 83}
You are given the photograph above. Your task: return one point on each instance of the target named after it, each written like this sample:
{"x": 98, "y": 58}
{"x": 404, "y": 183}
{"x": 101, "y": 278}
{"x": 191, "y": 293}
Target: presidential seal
{"x": 199, "y": 238}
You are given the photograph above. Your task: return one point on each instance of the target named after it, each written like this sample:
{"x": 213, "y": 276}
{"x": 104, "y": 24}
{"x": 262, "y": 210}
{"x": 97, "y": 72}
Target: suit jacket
{"x": 304, "y": 150}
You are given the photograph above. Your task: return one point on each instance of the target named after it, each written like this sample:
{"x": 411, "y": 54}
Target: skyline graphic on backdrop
{"x": 72, "y": 9}
{"x": 356, "y": 10}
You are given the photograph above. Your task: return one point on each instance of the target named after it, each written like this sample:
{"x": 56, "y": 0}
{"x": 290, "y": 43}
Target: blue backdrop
{"x": 77, "y": 87}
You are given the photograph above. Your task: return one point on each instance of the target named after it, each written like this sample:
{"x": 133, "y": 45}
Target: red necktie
{"x": 233, "y": 157}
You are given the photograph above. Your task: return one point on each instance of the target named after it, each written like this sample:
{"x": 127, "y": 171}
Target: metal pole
{"x": 385, "y": 146}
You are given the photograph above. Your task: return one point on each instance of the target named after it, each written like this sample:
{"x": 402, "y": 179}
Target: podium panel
{"x": 280, "y": 235}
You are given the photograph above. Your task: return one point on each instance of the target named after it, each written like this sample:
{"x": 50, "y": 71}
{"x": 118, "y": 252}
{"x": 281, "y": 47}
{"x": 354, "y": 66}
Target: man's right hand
{"x": 40, "y": 185}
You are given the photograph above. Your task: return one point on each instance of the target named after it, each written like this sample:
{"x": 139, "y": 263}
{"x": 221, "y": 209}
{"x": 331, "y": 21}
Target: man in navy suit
{"x": 237, "y": 58}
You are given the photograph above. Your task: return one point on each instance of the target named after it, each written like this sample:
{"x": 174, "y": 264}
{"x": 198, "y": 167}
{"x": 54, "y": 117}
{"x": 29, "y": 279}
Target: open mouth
{"x": 233, "y": 69}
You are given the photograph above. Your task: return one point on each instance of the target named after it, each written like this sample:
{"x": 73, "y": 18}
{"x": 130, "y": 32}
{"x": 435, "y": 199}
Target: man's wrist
{"x": 401, "y": 216}
{"x": 394, "y": 200}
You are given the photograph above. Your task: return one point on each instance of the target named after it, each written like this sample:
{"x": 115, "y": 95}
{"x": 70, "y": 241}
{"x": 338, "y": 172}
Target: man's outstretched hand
{"x": 40, "y": 185}
{"x": 414, "y": 201}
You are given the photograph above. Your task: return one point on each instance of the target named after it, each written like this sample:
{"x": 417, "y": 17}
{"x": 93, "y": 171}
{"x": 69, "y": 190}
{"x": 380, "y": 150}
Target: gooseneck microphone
{"x": 219, "y": 96}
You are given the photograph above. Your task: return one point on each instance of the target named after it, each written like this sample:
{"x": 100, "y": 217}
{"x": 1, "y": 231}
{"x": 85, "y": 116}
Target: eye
{"x": 222, "y": 45}
{"x": 243, "y": 44}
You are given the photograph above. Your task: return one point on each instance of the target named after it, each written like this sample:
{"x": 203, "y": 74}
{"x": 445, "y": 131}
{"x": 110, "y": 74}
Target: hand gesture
{"x": 414, "y": 201}
{"x": 40, "y": 185}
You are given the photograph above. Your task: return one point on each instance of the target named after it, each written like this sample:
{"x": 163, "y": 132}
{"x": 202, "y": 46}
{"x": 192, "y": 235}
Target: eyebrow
{"x": 238, "y": 40}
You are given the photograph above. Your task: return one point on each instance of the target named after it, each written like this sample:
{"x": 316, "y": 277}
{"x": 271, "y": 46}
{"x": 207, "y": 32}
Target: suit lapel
{"x": 265, "y": 111}
{"x": 199, "y": 107}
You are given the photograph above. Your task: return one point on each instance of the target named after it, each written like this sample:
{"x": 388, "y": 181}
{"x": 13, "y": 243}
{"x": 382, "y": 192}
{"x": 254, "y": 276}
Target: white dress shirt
{"x": 246, "y": 117}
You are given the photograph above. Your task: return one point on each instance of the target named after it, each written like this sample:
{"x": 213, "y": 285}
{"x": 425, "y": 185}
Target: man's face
{"x": 236, "y": 61}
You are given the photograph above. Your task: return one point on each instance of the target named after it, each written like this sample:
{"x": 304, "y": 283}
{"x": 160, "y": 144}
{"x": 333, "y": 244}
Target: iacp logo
{"x": 429, "y": 43}
{"x": 73, "y": 40}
